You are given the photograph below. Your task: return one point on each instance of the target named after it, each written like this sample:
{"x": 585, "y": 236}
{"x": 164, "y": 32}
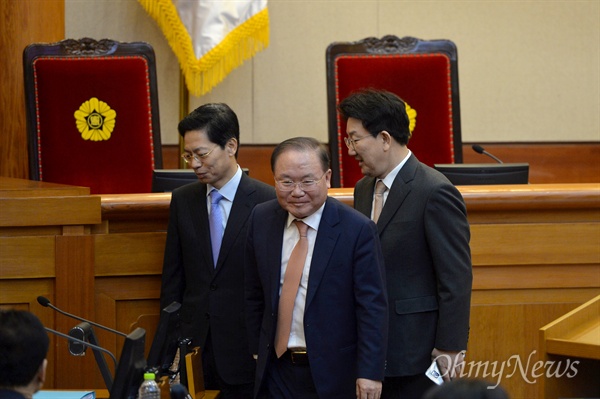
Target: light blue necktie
{"x": 216, "y": 224}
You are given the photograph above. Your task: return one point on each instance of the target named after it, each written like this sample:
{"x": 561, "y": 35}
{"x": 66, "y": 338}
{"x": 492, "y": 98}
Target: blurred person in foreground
{"x": 464, "y": 388}
{"x": 23, "y": 349}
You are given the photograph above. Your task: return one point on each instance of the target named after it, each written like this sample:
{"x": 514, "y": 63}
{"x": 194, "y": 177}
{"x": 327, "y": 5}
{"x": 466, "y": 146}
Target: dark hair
{"x": 218, "y": 121}
{"x": 378, "y": 110}
{"x": 465, "y": 388}
{"x": 301, "y": 144}
{"x": 23, "y": 347}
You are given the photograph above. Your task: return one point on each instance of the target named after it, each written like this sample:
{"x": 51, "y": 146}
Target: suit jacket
{"x": 424, "y": 236}
{"x": 211, "y": 297}
{"x": 345, "y": 317}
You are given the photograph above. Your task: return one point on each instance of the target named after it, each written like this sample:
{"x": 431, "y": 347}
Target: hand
{"x": 367, "y": 389}
{"x": 450, "y": 363}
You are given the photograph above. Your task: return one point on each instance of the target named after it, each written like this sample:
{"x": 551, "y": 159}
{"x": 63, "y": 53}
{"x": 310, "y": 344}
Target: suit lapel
{"x": 276, "y": 220}
{"x": 363, "y": 198}
{"x": 327, "y": 236}
{"x": 398, "y": 193}
{"x": 240, "y": 210}
{"x": 199, "y": 220}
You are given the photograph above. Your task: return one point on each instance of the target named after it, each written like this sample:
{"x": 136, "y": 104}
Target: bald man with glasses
{"x": 315, "y": 286}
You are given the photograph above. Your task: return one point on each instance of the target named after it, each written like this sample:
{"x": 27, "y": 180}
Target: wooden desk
{"x": 46, "y": 249}
{"x": 104, "y": 394}
{"x": 573, "y": 342}
{"x": 535, "y": 252}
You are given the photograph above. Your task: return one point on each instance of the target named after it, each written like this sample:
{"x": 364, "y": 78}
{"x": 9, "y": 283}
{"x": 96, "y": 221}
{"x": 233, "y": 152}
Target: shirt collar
{"x": 229, "y": 189}
{"x": 389, "y": 179}
{"x": 312, "y": 220}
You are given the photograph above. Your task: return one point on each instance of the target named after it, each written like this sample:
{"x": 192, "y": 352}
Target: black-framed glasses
{"x": 187, "y": 157}
{"x": 304, "y": 185}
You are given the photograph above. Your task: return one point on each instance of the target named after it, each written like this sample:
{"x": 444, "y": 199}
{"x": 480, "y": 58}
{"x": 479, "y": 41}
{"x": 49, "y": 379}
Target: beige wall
{"x": 529, "y": 70}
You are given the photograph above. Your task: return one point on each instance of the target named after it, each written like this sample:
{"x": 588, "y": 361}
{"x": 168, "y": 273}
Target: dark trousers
{"x": 285, "y": 380}
{"x": 409, "y": 387}
{"x": 213, "y": 381}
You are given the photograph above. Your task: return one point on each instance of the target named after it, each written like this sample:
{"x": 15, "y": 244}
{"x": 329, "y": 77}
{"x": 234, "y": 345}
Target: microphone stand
{"x": 94, "y": 347}
{"x": 90, "y": 336}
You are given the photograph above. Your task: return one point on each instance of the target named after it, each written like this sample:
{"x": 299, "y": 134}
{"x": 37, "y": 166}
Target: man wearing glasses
{"x": 315, "y": 286}
{"x": 204, "y": 253}
{"x": 422, "y": 222}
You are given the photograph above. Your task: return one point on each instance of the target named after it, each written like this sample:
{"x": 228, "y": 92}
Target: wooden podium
{"x": 535, "y": 251}
{"x": 572, "y": 342}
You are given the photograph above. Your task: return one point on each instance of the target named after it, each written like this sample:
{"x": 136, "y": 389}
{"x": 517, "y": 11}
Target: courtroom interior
{"x": 495, "y": 84}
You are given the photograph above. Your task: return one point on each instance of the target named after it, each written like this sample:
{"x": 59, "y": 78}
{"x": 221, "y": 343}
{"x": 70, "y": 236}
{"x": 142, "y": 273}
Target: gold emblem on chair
{"x": 95, "y": 120}
{"x": 412, "y": 117}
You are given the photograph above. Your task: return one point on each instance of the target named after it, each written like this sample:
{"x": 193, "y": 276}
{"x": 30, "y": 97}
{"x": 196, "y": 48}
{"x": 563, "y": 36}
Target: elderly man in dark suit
{"x": 204, "y": 254}
{"x": 326, "y": 336}
{"x": 422, "y": 223}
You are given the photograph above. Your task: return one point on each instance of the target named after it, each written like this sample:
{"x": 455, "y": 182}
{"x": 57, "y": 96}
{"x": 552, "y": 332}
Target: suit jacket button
{"x": 207, "y": 315}
{"x": 213, "y": 287}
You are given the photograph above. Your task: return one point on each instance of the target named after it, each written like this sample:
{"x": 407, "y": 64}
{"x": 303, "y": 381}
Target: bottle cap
{"x": 149, "y": 376}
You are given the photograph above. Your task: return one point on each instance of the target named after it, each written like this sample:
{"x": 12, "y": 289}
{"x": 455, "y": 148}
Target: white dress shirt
{"x": 388, "y": 181}
{"x": 290, "y": 238}
{"x": 228, "y": 192}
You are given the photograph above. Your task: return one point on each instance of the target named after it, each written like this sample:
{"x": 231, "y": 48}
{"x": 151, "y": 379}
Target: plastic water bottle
{"x": 149, "y": 388}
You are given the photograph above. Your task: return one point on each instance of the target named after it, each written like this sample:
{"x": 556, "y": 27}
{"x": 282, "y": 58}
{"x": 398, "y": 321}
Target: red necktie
{"x": 291, "y": 282}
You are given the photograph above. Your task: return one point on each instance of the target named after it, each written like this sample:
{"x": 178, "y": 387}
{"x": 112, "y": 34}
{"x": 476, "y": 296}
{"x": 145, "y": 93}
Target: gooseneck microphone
{"x": 45, "y": 302}
{"x": 480, "y": 150}
{"x": 95, "y": 347}
{"x": 85, "y": 332}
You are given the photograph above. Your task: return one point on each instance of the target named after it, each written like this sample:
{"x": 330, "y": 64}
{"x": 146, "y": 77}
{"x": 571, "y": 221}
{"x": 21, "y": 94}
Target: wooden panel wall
{"x": 536, "y": 255}
{"x": 46, "y": 250}
{"x": 23, "y": 22}
{"x": 548, "y": 162}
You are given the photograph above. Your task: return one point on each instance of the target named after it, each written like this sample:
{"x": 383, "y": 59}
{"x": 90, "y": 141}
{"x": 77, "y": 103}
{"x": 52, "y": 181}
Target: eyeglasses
{"x": 304, "y": 185}
{"x": 197, "y": 157}
{"x": 351, "y": 143}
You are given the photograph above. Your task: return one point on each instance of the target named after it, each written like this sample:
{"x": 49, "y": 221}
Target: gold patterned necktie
{"x": 378, "y": 203}
{"x": 291, "y": 282}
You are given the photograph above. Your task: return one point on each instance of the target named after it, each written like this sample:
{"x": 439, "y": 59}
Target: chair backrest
{"x": 92, "y": 114}
{"x": 423, "y": 73}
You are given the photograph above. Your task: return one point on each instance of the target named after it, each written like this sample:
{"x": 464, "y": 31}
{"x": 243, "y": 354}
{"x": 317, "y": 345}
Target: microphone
{"x": 95, "y": 347}
{"x": 178, "y": 391}
{"x": 45, "y": 302}
{"x": 480, "y": 150}
{"x": 84, "y": 332}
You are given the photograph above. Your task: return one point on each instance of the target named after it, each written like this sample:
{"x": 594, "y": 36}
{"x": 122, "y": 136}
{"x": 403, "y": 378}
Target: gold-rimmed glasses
{"x": 351, "y": 142}
{"x": 187, "y": 157}
{"x": 304, "y": 185}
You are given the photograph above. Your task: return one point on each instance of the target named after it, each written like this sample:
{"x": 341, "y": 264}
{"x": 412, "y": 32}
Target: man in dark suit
{"x": 201, "y": 273}
{"x": 23, "y": 349}
{"x": 424, "y": 233}
{"x": 335, "y": 342}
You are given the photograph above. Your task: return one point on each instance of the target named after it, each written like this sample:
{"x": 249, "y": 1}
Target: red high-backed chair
{"x": 423, "y": 73}
{"x": 92, "y": 114}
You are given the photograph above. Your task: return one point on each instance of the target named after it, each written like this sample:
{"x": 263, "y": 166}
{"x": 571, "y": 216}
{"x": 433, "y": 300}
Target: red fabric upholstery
{"x": 423, "y": 81}
{"x": 422, "y": 73}
{"x": 121, "y": 164}
{"x": 92, "y": 114}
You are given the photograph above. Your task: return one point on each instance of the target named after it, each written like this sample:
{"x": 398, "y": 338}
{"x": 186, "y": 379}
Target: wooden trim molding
{"x": 548, "y": 162}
